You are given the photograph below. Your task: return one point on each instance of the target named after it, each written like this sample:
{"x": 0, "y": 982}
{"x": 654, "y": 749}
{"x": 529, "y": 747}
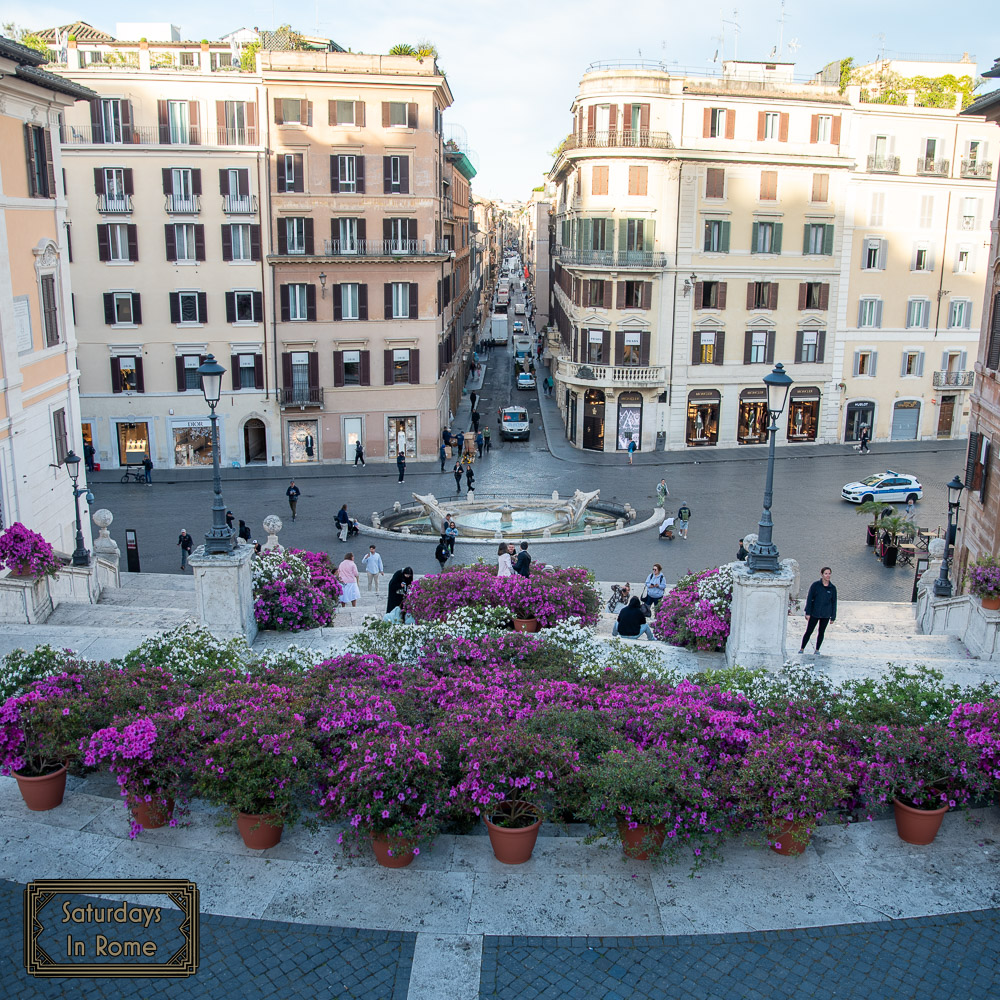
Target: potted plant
{"x": 787, "y": 783}
{"x": 894, "y": 529}
{"x": 923, "y": 771}
{"x": 389, "y": 787}
{"x": 876, "y": 508}
{"x": 26, "y": 553}
{"x": 40, "y": 732}
{"x": 983, "y": 580}
{"x": 511, "y": 779}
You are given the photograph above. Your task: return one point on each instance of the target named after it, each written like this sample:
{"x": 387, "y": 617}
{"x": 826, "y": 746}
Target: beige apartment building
{"x": 39, "y": 402}
{"x": 706, "y": 228}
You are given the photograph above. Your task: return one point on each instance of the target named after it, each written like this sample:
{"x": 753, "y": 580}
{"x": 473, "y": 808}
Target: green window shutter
{"x": 776, "y": 244}
{"x": 609, "y": 234}
{"x": 725, "y": 237}
{"x": 623, "y": 235}
{"x": 805, "y": 238}
{"x": 587, "y": 234}
{"x": 828, "y": 240}
{"x": 647, "y": 230}
{"x": 753, "y": 237}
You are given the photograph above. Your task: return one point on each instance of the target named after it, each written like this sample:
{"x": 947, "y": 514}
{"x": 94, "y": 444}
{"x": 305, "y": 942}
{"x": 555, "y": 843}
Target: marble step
{"x": 157, "y": 581}
{"x": 131, "y": 617}
{"x": 181, "y": 600}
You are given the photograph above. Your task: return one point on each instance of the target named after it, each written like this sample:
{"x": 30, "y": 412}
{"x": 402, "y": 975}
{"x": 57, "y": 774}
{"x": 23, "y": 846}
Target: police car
{"x": 526, "y": 380}
{"x": 887, "y": 487}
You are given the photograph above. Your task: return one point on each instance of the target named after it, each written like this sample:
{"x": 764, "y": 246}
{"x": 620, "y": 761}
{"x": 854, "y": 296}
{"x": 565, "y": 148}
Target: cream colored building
{"x": 39, "y": 401}
{"x": 706, "y": 228}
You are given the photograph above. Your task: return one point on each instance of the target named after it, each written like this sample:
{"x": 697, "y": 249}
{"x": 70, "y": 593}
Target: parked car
{"x": 526, "y": 380}
{"x": 886, "y": 486}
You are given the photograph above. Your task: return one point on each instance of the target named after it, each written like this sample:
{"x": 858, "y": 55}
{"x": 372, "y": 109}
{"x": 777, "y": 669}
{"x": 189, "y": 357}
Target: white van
{"x": 515, "y": 424}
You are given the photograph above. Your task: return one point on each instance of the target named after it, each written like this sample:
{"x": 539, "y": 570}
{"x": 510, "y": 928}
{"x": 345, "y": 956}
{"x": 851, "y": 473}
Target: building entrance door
{"x": 352, "y": 435}
{"x": 946, "y": 416}
{"x": 254, "y": 441}
{"x": 593, "y": 420}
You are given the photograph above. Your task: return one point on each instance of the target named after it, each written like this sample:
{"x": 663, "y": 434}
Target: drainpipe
{"x": 673, "y": 318}
{"x": 944, "y": 254}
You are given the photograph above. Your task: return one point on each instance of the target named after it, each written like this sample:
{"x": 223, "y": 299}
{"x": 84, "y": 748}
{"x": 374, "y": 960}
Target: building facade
{"x": 39, "y": 401}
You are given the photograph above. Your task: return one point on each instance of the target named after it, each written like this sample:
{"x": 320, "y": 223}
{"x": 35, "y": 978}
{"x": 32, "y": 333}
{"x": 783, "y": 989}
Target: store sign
{"x": 805, "y": 392}
{"x": 633, "y": 339}
{"x": 194, "y": 425}
{"x": 705, "y": 396}
{"x": 596, "y": 336}
{"x": 759, "y": 338}
{"x": 753, "y": 394}
{"x": 707, "y": 338}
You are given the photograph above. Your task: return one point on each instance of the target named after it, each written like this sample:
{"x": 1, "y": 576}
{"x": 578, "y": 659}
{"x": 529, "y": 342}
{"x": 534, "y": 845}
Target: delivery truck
{"x": 498, "y": 331}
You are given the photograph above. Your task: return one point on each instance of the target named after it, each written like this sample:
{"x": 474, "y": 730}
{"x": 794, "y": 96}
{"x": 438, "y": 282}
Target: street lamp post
{"x": 942, "y": 585}
{"x": 81, "y": 555}
{"x": 763, "y": 554}
{"x": 219, "y": 539}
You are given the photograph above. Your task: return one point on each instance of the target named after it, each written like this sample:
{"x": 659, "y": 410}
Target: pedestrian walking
{"x": 88, "y": 456}
{"x": 441, "y": 553}
{"x": 343, "y": 522}
{"x": 457, "y": 473}
{"x": 475, "y": 420}
{"x": 444, "y": 455}
{"x": 147, "y": 465}
{"x": 359, "y": 453}
{"x": 293, "y": 493}
{"x": 656, "y": 585}
{"x": 683, "y": 516}
{"x": 399, "y": 584}
{"x": 451, "y": 532}
{"x": 470, "y": 479}
{"x": 186, "y": 542}
{"x": 910, "y": 512}
{"x": 631, "y": 451}
{"x": 662, "y": 493}
{"x": 550, "y": 385}
{"x": 347, "y": 574}
{"x": 821, "y": 608}
{"x": 373, "y": 568}
{"x": 472, "y": 400}
{"x": 522, "y": 564}
{"x": 486, "y": 438}
{"x": 864, "y": 437}
{"x": 401, "y": 465}
{"x": 480, "y": 442}
{"x": 504, "y": 567}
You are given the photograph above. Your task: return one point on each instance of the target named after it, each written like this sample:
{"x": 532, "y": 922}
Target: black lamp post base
{"x": 81, "y": 558}
{"x": 763, "y": 559}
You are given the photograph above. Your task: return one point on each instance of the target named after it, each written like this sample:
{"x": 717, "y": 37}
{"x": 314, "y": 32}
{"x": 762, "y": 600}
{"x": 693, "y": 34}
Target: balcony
{"x": 615, "y": 375}
{"x": 114, "y": 204}
{"x": 619, "y": 138}
{"x": 448, "y": 207}
{"x": 151, "y": 135}
{"x": 301, "y": 396}
{"x": 927, "y": 166}
{"x": 977, "y": 169}
{"x": 239, "y": 204}
{"x": 883, "y": 164}
{"x": 954, "y": 380}
{"x": 384, "y": 248}
{"x": 180, "y": 204}
{"x": 613, "y": 260}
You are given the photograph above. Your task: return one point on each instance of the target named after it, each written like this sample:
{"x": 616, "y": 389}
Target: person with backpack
{"x": 450, "y": 532}
{"x": 244, "y": 531}
{"x": 683, "y": 516}
{"x": 486, "y": 438}
{"x": 631, "y": 450}
{"x": 656, "y": 585}
{"x": 442, "y": 553}
{"x": 359, "y": 453}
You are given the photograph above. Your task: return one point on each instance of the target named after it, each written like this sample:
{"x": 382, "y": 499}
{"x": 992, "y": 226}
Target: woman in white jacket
{"x": 504, "y": 567}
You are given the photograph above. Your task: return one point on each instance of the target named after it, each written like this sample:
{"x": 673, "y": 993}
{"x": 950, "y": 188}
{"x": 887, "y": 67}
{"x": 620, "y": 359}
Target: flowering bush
{"x": 189, "y": 651}
{"x": 983, "y": 577}
{"x": 26, "y": 552}
{"x": 980, "y": 724}
{"x": 294, "y": 590}
{"x": 696, "y": 612}
{"x": 22, "y": 666}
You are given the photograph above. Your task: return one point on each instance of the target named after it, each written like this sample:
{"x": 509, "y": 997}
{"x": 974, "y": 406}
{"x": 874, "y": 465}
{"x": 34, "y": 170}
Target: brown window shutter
{"x": 414, "y": 364}
{"x": 824, "y": 296}
{"x": 359, "y": 113}
{"x": 313, "y": 370}
{"x": 127, "y": 177}
{"x": 644, "y": 339}
{"x": 613, "y": 117}
{"x": 282, "y": 238}
{"x": 591, "y": 118}
{"x": 258, "y": 371}
{"x": 309, "y": 112}
{"x": 730, "y": 123}
{"x": 103, "y": 242}
{"x": 283, "y": 297}
{"x": 278, "y": 120}
{"x": 199, "y": 242}
{"x": 696, "y": 348}
{"x": 230, "y": 307}
{"x": 251, "y": 111}
{"x": 140, "y": 381}
{"x": 751, "y": 288}
{"x": 334, "y": 174}
{"x": 258, "y": 306}
{"x": 798, "y": 347}
{"x": 196, "y": 181}
{"x": 310, "y": 242}
{"x": 643, "y": 180}
{"x": 132, "y": 233}
{"x": 747, "y": 346}
{"x": 163, "y": 121}
{"x": 835, "y": 130}
{"x": 286, "y": 369}
{"x": 769, "y": 348}
{"x": 178, "y": 361}
{"x": 95, "y": 121}
{"x": 722, "y": 295}
{"x": 234, "y": 367}
{"x": 772, "y": 293}
{"x": 783, "y": 127}
{"x": 606, "y": 347}
{"x": 761, "y": 123}
{"x": 647, "y": 295}
{"x": 338, "y": 369}
{"x": 699, "y": 294}
{"x": 168, "y": 180}
{"x": 255, "y": 242}
{"x": 386, "y": 174}
{"x": 311, "y": 303}
{"x": 362, "y": 302}
{"x": 359, "y": 174}
{"x": 365, "y": 376}
{"x": 644, "y": 117}
{"x": 404, "y": 175}
{"x": 387, "y": 230}
{"x": 411, "y": 230}
{"x": 619, "y": 358}
{"x": 220, "y": 120}
{"x": 720, "y": 347}
{"x": 331, "y": 112}
{"x": 411, "y": 115}
{"x": 414, "y": 310}
{"x": 620, "y": 295}
{"x": 387, "y": 289}
{"x": 170, "y": 238}
{"x": 385, "y": 114}
{"x": 707, "y": 123}
{"x": 223, "y": 181}
{"x": 194, "y": 125}
{"x": 820, "y": 346}
{"x": 803, "y": 292}
{"x": 99, "y": 187}
{"x": 387, "y": 368}
{"x": 116, "y": 374}
{"x": 300, "y": 179}
{"x": 814, "y": 129}
{"x": 606, "y": 296}
{"x": 336, "y": 293}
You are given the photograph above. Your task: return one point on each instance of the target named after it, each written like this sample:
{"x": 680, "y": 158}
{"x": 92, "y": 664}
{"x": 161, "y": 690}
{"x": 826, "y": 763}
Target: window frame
{"x": 392, "y": 106}
{"x": 717, "y": 123}
{"x": 772, "y": 124}
{"x": 918, "y": 313}
{"x": 295, "y": 235}
{"x": 350, "y": 299}
{"x": 401, "y": 374}
{"x": 189, "y": 295}
{"x": 117, "y": 297}
{"x": 400, "y": 299}
{"x": 352, "y": 368}
{"x": 244, "y": 368}
{"x": 249, "y": 293}
{"x": 298, "y": 301}
{"x": 758, "y": 352}
{"x": 824, "y": 127}
{"x": 869, "y": 304}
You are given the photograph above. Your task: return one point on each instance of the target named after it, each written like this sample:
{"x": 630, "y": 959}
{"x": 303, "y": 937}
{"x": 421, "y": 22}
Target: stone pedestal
{"x": 24, "y": 600}
{"x": 759, "y": 618}
{"x": 224, "y": 592}
{"x": 272, "y": 525}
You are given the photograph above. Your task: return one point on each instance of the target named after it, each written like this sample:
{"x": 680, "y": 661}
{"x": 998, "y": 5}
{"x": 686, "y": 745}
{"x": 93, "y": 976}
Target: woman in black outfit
{"x": 821, "y": 608}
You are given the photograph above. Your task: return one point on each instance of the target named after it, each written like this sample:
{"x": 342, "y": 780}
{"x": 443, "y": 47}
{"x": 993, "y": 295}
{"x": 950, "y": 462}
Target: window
{"x": 184, "y": 244}
{"x": 963, "y": 261}
{"x": 397, "y": 114}
{"x": 824, "y": 123}
{"x": 711, "y": 295}
{"x": 60, "y": 439}
{"x": 977, "y": 464}
{"x": 295, "y": 235}
{"x": 864, "y": 363}
{"x": 769, "y": 185}
{"x": 632, "y": 352}
{"x": 347, "y": 173}
{"x": 821, "y": 188}
{"x": 187, "y": 59}
{"x": 599, "y": 181}
{"x": 115, "y": 190}
{"x": 348, "y": 229}
{"x": 118, "y": 242}
{"x": 969, "y": 212}
{"x": 715, "y": 182}
{"x": 706, "y": 341}
{"x": 633, "y": 294}
{"x": 870, "y": 313}
{"x": 637, "y": 180}
{"x": 240, "y": 239}
{"x": 297, "y": 302}
{"x": 110, "y": 120}
{"x": 300, "y": 375}
{"x": 818, "y": 239}
{"x": 50, "y": 311}
{"x": 181, "y": 189}
{"x": 352, "y": 362}
{"x": 401, "y": 301}
{"x": 716, "y": 236}
{"x": 762, "y": 295}
{"x": 189, "y": 366}
{"x": 38, "y": 149}
{"x": 400, "y": 366}
{"x": 245, "y": 307}
{"x": 918, "y": 314}
{"x": 234, "y": 185}
{"x": 188, "y": 307}
{"x": 238, "y": 123}
{"x": 922, "y": 259}
{"x": 288, "y": 171}
{"x": 960, "y": 314}
{"x": 816, "y": 295}
{"x": 398, "y": 235}
{"x": 292, "y": 110}
{"x": 926, "y": 220}
{"x": 128, "y": 374}
{"x": 178, "y": 126}
{"x": 877, "y": 209}
{"x": 397, "y": 175}
{"x": 810, "y": 341}
{"x": 757, "y": 352}
{"x": 247, "y": 371}
{"x": 123, "y": 308}
{"x": 717, "y": 123}
{"x": 875, "y": 254}
{"x": 766, "y": 237}
{"x": 638, "y": 233}
{"x": 349, "y": 301}
{"x": 912, "y": 363}
{"x": 343, "y": 112}
{"x": 771, "y": 124}
{"x": 595, "y": 347}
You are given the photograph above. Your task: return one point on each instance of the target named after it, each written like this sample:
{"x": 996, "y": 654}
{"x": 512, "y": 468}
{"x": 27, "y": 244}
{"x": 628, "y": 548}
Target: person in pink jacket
{"x": 347, "y": 574}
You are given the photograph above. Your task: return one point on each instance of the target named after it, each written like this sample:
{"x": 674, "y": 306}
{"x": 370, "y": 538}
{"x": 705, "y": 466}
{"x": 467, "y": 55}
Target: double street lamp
{"x": 942, "y": 585}
{"x": 81, "y": 556}
{"x": 220, "y": 538}
{"x": 763, "y": 554}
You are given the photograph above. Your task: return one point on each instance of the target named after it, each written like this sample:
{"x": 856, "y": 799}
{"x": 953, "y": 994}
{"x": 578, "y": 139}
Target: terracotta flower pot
{"x": 401, "y": 850}
{"x": 260, "y": 832}
{"x": 526, "y": 625}
{"x": 990, "y": 603}
{"x": 789, "y": 838}
{"x": 643, "y": 841}
{"x": 917, "y": 826}
{"x": 152, "y": 815}
{"x": 513, "y": 845}
{"x": 42, "y": 793}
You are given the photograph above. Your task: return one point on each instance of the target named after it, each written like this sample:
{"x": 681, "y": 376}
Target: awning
{"x": 805, "y": 392}
{"x": 749, "y": 394}
{"x": 705, "y": 396}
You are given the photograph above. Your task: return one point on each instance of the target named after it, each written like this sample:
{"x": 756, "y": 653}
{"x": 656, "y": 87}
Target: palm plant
{"x": 876, "y": 508}
{"x": 402, "y": 49}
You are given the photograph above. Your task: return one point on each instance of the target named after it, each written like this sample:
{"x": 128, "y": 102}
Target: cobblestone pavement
{"x": 949, "y": 957}
{"x": 238, "y": 957}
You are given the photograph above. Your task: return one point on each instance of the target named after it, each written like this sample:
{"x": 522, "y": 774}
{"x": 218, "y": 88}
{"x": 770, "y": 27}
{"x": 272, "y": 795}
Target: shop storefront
{"x": 703, "y": 417}
{"x": 593, "y": 420}
{"x": 803, "y": 413}
{"x": 303, "y": 441}
{"x": 192, "y": 441}
{"x": 629, "y": 419}
{"x": 752, "y": 426}
{"x": 860, "y": 413}
{"x": 133, "y": 442}
{"x": 572, "y": 400}
{"x": 401, "y": 436}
